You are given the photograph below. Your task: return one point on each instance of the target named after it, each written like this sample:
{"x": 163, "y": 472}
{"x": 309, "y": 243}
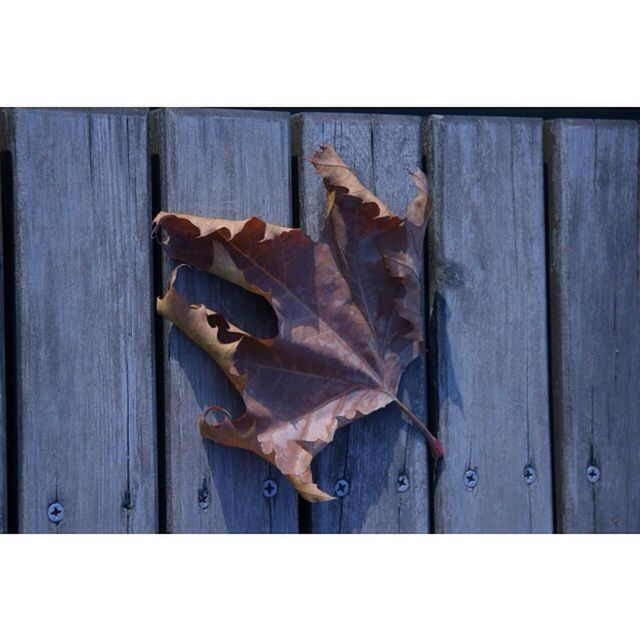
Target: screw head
{"x": 342, "y": 488}
{"x": 593, "y": 474}
{"x": 402, "y": 483}
{"x": 529, "y": 474}
{"x": 470, "y": 478}
{"x": 269, "y": 488}
{"x": 55, "y": 512}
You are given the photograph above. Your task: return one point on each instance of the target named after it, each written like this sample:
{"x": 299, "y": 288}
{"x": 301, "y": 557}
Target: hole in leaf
{"x": 215, "y": 416}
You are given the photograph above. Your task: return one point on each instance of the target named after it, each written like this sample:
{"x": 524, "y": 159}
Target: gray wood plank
{"x": 3, "y": 415}
{"x": 84, "y": 344}
{"x": 489, "y": 330}
{"x": 374, "y": 451}
{"x": 595, "y": 322}
{"x": 230, "y": 164}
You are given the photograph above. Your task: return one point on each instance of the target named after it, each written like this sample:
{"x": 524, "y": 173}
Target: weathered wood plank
{"x": 230, "y": 164}
{"x": 594, "y": 231}
{"x": 488, "y": 319}
{"x": 84, "y": 347}
{"x": 371, "y": 453}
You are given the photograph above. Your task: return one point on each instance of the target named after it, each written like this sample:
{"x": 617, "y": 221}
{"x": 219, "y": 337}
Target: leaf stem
{"x": 432, "y": 441}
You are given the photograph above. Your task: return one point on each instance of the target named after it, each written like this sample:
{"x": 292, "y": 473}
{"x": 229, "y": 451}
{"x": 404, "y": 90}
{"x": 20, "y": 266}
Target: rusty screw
{"x": 529, "y": 474}
{"x": 55, "y": 512}
{"x": 593, "y": 473}
{"x": 342, "y": 488}
{"x": 470, "y": 478}
{"x": 269, "y": 488}
{"x": 402, "y": 483}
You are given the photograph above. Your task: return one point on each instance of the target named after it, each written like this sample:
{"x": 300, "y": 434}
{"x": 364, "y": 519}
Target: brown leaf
{"x": 348, "y": 311}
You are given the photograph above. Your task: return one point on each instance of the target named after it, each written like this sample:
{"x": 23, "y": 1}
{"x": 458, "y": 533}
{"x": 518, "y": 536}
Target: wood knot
{"x": 450, "y": 274}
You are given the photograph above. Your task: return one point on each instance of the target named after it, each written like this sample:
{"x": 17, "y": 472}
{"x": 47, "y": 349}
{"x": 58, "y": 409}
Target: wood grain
{"x": 489, "y": 329}
{"x": 230, "y": 164}
{"x": 373, "y": 452}
{"x": 84, "y": 349}
{"x": 594, "y": 228}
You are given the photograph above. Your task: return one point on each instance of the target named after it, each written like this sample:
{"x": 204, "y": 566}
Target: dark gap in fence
{"x": 10, "y": 336}
{"x": 547, "y": 113}
{"x": 295, "y": 188}
{"x": 549, "y": 302}
{"x": 156, "y": 204}
{"x": 432, "y": 400}
{"x": 304, "y": 508}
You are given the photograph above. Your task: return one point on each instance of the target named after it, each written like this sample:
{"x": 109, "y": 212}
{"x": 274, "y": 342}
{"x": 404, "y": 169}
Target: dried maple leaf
{"x": 348, "y": 311}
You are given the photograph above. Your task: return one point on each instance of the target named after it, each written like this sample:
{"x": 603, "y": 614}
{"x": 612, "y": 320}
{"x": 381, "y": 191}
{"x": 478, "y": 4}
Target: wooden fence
{"x": 532, "y": 288}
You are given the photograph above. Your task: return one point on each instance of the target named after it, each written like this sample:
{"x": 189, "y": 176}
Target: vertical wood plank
{"x": 231, "y": 164}
{"x": 373, "y": 452}
{"x": 84, "y": 345}
{"x": 595, "y": 322}
{"x": 489, "y": 329}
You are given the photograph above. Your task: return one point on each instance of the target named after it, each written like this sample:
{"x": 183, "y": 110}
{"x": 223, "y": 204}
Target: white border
{"x": 319, "y": 587}
{"x": 326, "y": 53}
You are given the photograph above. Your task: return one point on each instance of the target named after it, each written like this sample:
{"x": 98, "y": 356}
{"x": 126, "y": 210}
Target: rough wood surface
{"x": 229, "y": 164}
{"x": 375, "y": 455}
{"x": 489, "y": 328}
{"x": 594, "y": 229}
{"x": 85, "y": 391}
